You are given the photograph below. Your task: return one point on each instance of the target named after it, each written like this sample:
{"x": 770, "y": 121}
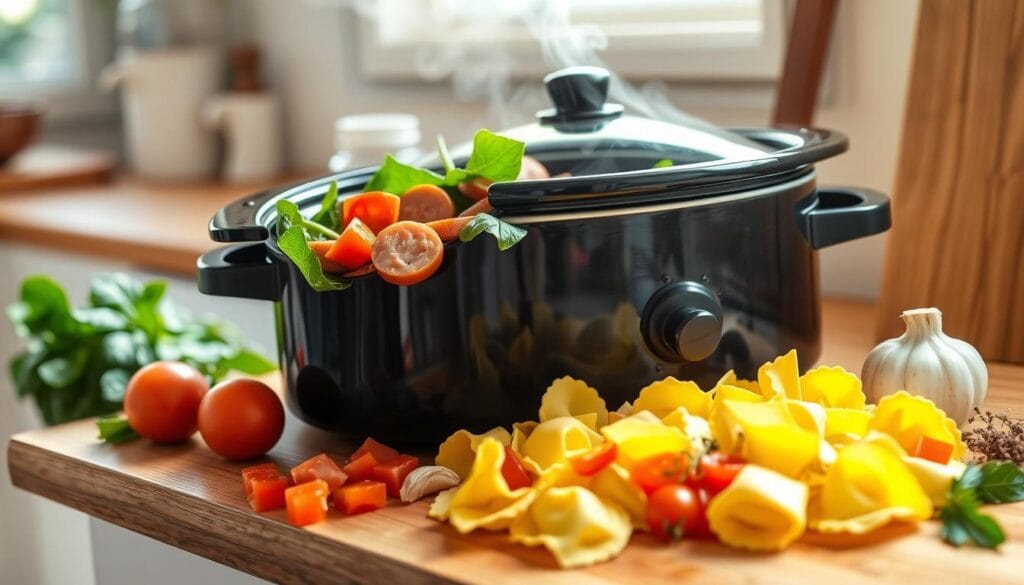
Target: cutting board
{"x": 43, "y": 167}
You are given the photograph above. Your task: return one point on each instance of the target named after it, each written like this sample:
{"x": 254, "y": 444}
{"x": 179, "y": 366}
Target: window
{"x": 699, "y": 40}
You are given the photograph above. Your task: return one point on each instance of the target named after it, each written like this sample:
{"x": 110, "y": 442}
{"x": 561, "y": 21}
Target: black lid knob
{"x": 579, "y": 95}
{"x": 682, "y": 322}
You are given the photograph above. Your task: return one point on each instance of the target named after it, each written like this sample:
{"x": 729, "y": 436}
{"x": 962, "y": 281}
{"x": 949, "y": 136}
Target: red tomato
{"x": 448, "y": 229}
{"x": 660, "y": 470}
{"x": 381, "y": 452}
{"x": 267, "y": 493}
{"x": 675, "y": 511}
{"x": 392, "y": 473}
{"x": 475, "y": 189}
{"x": 162, "y": 399}
{"x": 257, "y": 471}
{"x": 360, "y": 468}
{"x": 241, "y": 419}
{"x": 425, "y": 203}
{"x": 717, "y": 471}
{"x": 933, "y": 450}
{"x": 363, "y": 496}
{"x": 513, "y": 471}
{"x": 352, "y": 249}
{"x": 407, "y": 252}
{"x": 376, "y": 209}
{"x": 593, "y": 461}
{"x": 307, "y": 502}
{"x": 320, "y": 467}
{"x": 320, "y": 248}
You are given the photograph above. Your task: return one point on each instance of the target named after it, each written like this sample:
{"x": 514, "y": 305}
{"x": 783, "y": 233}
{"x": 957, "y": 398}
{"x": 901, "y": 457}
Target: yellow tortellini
{"x": 765, "y": 433}
{"x": 643, "y": 435}
{"x": 612, "y": 484}
{"x": 570, "y": 397}
{"x": 664, "y": 396}
{"x": 696, "y": 428}
{"x": 577, "y": 526}
{"x": 907, "y": 418}
{"x": 868, "y": 486}
{"x": 760, "y": 510}
{"x": 556, "y": 440}
{"x": 780, "y": 377}
{"x": 832, "y": 387}
{"x": 459, "y": 450}
{"x": 845, "y": 425}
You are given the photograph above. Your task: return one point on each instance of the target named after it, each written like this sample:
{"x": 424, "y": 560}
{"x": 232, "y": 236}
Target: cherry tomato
{"x": 407, "y": 252}
{"x": 475, "y": 189}
{"x": 593, "y": 461}
{"x": 352, "y": 250}
{"x": 482, "y": 206}
{"x": 675, "y": 511}
{"x": 513, "y": 471}
{"x": 448, "y": 229}
{"x": 716, "y": 471}
{"x": 376, "y": 209}
{"x": 241, "y": 419}
{"x": 532, "y": 169}
{"x": 381, "y": 452}
{"x": 320, "y": 248}
{"x": 660, "y": 470}
{"x": 320, "y": 467}
{"x": 162, "y": 399}
{"x": 425, "y": 203}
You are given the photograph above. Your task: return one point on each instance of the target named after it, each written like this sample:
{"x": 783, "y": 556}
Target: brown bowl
{"x": 19, "y": 124}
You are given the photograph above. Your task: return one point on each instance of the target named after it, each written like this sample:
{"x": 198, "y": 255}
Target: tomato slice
{"x": 263, "y": 470}
{"x": 448, "y": 229}
{"x": 475, "y": 189}
{"x": 425, "y": 203}
{"x": 514, "y": 472}
{"x": 320, "y": 467}
{"x": 660, "y": 470}
{"x": 392, "y": 473}
{"x": 376, "y": 209}
{"x": 675, "y": 511}
{"x": 407, "y": 252}
{"x": 593, "y": 461}
{"x": 482, "y": 206}
{"x": 361, "y": 468}
{"x": 717, "y": 470}
{"x": 381, "y": 452}
{"x": 352, "y": 249}
{"x": 320, "y": 248}
{"x": 363, "y": 496}
{"x": 933, "y": 450}
{"x": 267, "y": 493}
{"x": 307, "y": 502}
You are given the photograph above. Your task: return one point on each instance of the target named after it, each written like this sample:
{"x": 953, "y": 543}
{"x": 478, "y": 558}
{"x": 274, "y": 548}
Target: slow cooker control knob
{"x": 682, "y": 322}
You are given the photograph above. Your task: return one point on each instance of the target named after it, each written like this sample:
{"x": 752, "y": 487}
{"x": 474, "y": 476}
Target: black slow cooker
{"x": 668, "y": 251}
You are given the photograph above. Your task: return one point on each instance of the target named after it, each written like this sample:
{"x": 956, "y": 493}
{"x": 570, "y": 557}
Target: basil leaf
{"x": 508, "y": 235}
{"x": 112, "y": 384}
{"x": 665, "y": 162}
{"x": 294, "y": 244}
{"x": 288, "y": 215}
{"x": 61, "y": 372}
{"x": 248, "y": 362}
{"x": 115, "y": 430}
{"x": 43, "y": 307}
{"x": 1000, "y": 483}
{"x": 962, "y": 521}
{"x": 495, "y": 157}
{"x": 115, "y": 291}
{"x": 100, "y": 318}
{"x": 397, "y": 177}
{"x": 328, "y": 213}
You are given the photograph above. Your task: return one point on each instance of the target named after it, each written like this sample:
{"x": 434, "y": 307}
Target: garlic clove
{"x": 427, "y": 480}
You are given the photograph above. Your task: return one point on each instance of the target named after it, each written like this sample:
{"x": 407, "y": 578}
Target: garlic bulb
{"x": 927, "y": 362}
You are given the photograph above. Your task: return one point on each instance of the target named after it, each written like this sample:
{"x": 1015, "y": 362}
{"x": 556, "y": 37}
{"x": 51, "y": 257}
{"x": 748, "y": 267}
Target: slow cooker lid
{"x": 600, "y": 157}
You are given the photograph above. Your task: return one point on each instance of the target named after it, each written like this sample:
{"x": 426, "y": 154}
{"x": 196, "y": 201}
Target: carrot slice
{"x": 320, "y": 248}
{"x": 425, "y": 203}
{"x": 448, "y": 229}
{"x": 482, "y": 206}
{"x": 353, "y": 248}
{"x": 475, "y": 189}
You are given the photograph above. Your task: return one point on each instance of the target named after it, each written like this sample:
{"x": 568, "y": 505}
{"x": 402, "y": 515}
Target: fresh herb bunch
{"x": 494, "y": 158}
{"x": 999, "y": 482}
{"x": 78, "y": 361}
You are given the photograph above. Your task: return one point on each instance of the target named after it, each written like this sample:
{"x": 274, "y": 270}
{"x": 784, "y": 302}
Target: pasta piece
{"x": 833, "y": 387}
{"x": 766, "y": 433}
{"x": 570, "y": 397}
{"x": 761, "y": 510}
{"x": 643, "y": 435}
{"x": 780, "y": 377}
{"x": 556, "y": 440}
{"x": 458, "y": 451}
{"x": 484, "y": 499}
{"x": 664, "y": 396}
{"x": 907, "y": 418}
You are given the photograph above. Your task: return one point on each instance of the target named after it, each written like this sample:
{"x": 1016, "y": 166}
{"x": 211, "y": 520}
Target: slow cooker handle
{"x": 841, "y": 214}
{"x": 242, "y": 271}
{"x": 237, "y": 221}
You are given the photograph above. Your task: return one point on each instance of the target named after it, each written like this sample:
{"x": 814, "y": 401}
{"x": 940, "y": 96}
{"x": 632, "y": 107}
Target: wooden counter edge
{"x": 231, "y": 537}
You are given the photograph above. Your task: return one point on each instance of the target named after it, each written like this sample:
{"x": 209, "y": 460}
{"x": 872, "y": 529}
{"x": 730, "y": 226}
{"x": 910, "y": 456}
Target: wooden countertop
{"x": 159, "y": 227}
{"x": 186, "y": 496}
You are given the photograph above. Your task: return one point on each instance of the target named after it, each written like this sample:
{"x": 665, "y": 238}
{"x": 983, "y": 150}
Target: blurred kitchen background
{"x": 283, "y": 72}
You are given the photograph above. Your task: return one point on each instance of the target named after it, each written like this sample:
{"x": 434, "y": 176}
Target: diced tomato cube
{"x": 307, "y": 502}
{"x": 362, "y": 496}
{"x": 320, "y": 467}
{"x": 393, "y": 472}
{"x": 593, "y": 461}
{"x": 354, "y": 247}
{"x": 361, "y": 468}
{"x": 933, "y": 450}
{"x": 382, "y": 453}
{"x": 513, "y": 471}
{"x": 263, "y": 470}
{"x": 267, "y": 493}
{"x": 376, "y": 209}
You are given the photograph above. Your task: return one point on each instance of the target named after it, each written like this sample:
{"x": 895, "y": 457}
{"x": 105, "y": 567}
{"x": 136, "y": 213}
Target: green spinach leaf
{"x": 115, "y": 430}
{"x": 295, "y": 245}
{"x": 506, "y": 234}
{"x": 328, "y": 215}
{"x": 495, "y": 157}
{"x": 397, "y": 177}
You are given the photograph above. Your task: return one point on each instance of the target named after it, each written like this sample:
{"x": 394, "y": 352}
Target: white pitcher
{"x": 162, "y": 92}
